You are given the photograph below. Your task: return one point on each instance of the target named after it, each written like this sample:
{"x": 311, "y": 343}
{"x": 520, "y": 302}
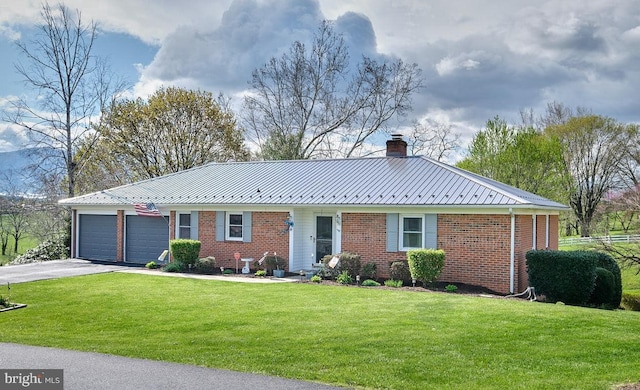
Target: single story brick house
{"x": 378, "y": 207}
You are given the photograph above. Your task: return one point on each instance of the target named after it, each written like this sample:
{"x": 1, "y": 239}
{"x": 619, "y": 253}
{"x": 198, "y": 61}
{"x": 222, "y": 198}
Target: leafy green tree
{"x": 175, "y": 129}
{"x": 519, "y": 156}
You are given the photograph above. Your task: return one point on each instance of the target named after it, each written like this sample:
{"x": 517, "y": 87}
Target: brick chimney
{"x": 396, "y": 146}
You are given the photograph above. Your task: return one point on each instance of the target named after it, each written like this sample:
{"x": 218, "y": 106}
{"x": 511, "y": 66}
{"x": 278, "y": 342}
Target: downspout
{"x": 512, "y": 269}
{"x": 534, "y": 240}
{"x": 546, "y": 238}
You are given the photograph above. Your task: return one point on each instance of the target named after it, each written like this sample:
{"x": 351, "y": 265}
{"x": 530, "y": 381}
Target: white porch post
{"x": 291, "y": 239}
{"x": 338, "y": 238}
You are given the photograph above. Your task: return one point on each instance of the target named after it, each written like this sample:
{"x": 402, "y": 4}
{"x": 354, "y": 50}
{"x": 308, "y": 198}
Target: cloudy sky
{"x": 480, "y": 58}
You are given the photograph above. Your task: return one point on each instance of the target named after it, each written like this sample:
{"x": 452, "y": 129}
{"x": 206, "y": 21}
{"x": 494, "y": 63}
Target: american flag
{"x": 147, "y": 210}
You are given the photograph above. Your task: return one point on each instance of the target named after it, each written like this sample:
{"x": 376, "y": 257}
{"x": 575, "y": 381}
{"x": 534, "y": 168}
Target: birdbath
{"x": 247, "y": 261}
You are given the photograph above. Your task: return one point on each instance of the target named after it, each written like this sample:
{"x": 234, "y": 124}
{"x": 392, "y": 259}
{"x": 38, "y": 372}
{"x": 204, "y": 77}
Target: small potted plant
{"x": 276, "y": 265}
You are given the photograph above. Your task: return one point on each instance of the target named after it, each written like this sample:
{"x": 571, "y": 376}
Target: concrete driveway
{"x": 52, "y": 269}
{"x": 96, "y": 371}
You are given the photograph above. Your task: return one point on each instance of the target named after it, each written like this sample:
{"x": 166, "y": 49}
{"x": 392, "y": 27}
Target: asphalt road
{"x": 95, "y": 371}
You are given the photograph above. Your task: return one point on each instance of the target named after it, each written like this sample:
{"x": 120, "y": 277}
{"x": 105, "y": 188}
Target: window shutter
{"x": 392, "y": 232}
{"x": 194, "y": 225}
{"x": 246, "y": 226}
{"x": 431, "y": 231}
{"x": 220, "y": 222}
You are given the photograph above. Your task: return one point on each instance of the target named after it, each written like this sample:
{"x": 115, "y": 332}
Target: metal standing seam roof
{"x": 377, "y": 181}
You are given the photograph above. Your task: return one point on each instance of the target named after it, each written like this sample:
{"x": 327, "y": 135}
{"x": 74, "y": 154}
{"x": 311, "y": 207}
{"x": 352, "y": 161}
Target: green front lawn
{"x": 358, "y": 337}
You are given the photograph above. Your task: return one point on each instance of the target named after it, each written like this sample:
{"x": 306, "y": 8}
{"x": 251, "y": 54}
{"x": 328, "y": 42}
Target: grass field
{"x": 359, "y": 337}
{"x": 24, "y": 244}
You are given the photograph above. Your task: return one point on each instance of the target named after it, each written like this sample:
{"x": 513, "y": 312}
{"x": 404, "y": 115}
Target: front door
{"x": 324, "y": 236}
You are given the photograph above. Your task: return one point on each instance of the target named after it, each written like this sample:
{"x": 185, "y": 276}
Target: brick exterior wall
{"x": 359, "y": 236}
{"x": 120, "y": 236}
{"x": 477, "y": 247}
{"x": 266, "y": 235}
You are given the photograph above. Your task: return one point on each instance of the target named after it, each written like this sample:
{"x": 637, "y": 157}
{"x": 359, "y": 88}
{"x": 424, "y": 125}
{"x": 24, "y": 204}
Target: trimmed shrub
{"x": 425, "y": 264}
{"x": 604, "y": 289}
{"x": 206, "y": 265}
{"x": 566, "y": 276}
{"x": 185, "y": 251}
{"x": 399, "y": 270}
{"x": 369, "y": 271}
{"x": 261, "y": 272}
{"x": 631, "y": 301}
{"x": 349, "y": 262}
{"x": 370, "y": 283}
{"x": 607, "y": 262}
{"x": 316, "y": 279}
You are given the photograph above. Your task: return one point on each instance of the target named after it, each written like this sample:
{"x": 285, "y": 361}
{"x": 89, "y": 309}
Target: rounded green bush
{"x": 604, "y": 288}
{"x": 206, "y": 265}
{"x": 607, "y": 262}
{"x": 566, "y": 276}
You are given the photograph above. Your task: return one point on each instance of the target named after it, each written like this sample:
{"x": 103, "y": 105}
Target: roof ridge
{"x": 475, "y": 178}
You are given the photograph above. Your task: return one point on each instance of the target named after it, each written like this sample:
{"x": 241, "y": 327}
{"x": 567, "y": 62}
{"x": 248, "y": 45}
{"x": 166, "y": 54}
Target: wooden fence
{"x": 595, "y": 240}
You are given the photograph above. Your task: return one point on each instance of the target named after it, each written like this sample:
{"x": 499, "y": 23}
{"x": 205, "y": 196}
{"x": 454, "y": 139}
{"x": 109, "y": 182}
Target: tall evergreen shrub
{"x": 566, "y": 276}
{"x": 607, "y": 262}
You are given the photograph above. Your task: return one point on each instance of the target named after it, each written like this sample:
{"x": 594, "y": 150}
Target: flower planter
{"x": 278, "y": 273}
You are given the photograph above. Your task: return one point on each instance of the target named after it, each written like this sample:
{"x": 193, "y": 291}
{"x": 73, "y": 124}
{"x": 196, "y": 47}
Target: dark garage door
{"x": 147, "y": 237}
{"x": 97, "y": 237}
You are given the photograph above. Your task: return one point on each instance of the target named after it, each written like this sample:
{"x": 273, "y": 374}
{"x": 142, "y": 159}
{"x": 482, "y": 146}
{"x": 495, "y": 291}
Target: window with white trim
{"x": 234, "y": 226}
{"x": 184, "y": 226}
{"x": 411, "y": 232}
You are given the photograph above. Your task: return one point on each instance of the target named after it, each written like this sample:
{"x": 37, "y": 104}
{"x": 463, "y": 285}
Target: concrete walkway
{"x": 226, "y": 278}
{"x": 95, "y": 371}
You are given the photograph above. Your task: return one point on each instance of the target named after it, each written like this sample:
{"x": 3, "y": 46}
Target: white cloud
{"x": 480, "y": 59}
